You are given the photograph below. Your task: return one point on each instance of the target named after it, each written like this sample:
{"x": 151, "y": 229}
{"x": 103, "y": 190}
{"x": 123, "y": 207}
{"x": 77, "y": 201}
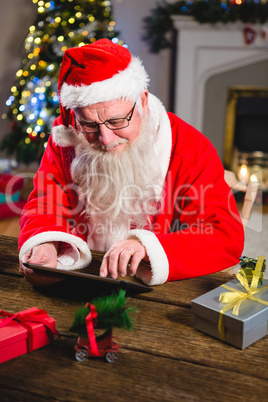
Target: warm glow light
{"x": 254, "y": 178}
{"x": 19, "y": 73}
{"x": 243, "y": 173}
{"x": 243, "y": 170}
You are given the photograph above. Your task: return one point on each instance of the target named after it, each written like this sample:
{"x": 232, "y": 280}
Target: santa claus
{"x": 122, "y": 175}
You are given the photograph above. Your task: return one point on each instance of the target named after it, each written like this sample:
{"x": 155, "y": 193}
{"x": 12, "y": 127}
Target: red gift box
{"x": 24, "y": 332}
{"x": 12, "y": 209}
{"x": 10, "y": 184}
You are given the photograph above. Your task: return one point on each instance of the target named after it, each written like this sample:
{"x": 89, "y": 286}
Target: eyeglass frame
{"x": 107, "y": 122}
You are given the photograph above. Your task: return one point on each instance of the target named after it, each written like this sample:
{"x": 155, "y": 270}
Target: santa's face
{"x": 115, "y": 140}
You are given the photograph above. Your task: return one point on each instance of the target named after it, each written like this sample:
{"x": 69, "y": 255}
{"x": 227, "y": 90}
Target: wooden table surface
{"x": 163, "y": 359}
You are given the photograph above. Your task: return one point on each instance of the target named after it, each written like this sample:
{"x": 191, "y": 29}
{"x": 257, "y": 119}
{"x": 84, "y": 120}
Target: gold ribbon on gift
{"x": 234, "y": 298}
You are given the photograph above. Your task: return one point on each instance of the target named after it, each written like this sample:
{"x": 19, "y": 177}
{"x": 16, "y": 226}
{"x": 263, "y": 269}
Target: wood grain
{"x": 160, "y": 329}
{"x": 163, "y": 359}
{"x": 135, "y": 376}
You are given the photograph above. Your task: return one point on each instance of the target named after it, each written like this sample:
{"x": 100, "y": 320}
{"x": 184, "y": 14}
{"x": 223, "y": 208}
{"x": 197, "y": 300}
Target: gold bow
{"x": 234, "y": 298}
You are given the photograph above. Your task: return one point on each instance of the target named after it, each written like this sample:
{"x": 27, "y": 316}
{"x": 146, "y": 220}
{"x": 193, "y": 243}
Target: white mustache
{"x": 114, "y": 144}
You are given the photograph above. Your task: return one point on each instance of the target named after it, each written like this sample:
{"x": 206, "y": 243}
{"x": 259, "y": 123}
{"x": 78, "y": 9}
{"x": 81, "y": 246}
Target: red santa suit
{"x": 198, "y": 231}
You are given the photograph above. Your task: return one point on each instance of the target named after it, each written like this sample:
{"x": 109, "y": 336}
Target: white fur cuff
{"x": 84, "y": 252}
{"x": 159, "y": 271}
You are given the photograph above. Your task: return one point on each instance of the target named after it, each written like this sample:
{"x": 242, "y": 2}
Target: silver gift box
{"x": 241, "y": 331}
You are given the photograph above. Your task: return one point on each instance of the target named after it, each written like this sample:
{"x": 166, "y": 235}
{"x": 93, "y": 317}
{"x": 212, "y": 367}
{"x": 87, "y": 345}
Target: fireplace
{"x": 213, "y": 61}
{"x": 246, "y": 133}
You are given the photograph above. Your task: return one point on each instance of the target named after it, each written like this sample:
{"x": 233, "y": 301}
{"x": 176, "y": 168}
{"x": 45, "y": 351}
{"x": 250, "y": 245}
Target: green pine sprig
{"x": 159, "y": 23}
{"x": 112, "y": 313}
{"x": 248, "y": 266}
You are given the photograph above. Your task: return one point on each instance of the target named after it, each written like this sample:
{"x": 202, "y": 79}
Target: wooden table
{"x": 164, "y": 359}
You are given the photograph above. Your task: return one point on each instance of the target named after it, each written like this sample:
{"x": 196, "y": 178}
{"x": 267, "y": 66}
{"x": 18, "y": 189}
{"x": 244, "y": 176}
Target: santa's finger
{"x": 26, "y": 256}
{"x": 104, "y": 267}
{"x": 124, "y": 259}
{"x": 113, "y": 262}
{"x": 135, "y": 261}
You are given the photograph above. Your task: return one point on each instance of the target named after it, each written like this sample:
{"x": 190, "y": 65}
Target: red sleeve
{"x": 200, "y": 228}
{"x": 52, "y": 206}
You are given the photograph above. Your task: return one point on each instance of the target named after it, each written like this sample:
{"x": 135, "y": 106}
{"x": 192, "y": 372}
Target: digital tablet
{"x": 78, "y": 275}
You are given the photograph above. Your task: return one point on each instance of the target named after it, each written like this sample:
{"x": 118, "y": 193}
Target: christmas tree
{"x": 34, "y": 103}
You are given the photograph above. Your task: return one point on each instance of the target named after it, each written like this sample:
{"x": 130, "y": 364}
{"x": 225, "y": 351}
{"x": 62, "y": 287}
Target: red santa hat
{"x": 99, "y": 72}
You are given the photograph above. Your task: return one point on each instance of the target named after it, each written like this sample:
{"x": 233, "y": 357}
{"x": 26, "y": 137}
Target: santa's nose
{"x": 106, "y": 136}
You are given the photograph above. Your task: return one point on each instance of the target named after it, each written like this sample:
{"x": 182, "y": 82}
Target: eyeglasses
{"x": 112, "y": 124}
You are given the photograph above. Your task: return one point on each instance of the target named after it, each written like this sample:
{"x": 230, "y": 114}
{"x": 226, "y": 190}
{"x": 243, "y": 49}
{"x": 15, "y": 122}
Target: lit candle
{"x": 249, "y": 199}
{"x": 243, "y": 173}
{"x": 254, "y": 178}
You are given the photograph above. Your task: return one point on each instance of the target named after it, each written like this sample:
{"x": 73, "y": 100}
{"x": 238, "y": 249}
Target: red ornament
{"x": 33, "y": 137}
{"x": 264, "y": 33}
{"x": 250, "y": 35}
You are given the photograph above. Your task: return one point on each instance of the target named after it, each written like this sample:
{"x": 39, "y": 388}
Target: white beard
{"x": 120, "y": 190}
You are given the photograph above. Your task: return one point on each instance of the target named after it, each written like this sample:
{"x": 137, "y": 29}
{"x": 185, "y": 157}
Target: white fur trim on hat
{"x": 64, "y": 136}
{"x": 128, "y": 83}
{"x": 158, "y": 272}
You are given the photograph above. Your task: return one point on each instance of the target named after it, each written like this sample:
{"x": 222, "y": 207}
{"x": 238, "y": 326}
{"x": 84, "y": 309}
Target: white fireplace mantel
{"x": 204, "y": 50}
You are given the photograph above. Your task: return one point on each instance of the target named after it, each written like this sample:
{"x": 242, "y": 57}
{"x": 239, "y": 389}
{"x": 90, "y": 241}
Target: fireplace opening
{"x": 246, "y": 136}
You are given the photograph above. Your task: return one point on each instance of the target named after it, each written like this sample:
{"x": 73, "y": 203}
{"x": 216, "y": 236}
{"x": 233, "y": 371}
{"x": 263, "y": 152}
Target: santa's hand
{"x": 123, "y": 256}
{"x": 44, "y": 254}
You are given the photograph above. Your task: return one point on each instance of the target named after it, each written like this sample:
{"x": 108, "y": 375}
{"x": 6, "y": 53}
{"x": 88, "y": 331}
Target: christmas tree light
{"x": 34, "y": 102}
